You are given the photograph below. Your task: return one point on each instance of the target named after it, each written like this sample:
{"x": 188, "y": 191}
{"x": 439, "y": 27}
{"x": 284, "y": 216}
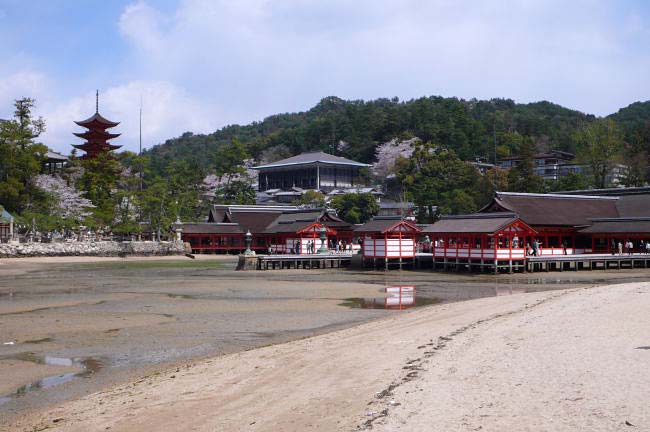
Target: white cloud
{"x": 209, "y": 63}
{"x": 168, "y": 111}
{"x": 258, "y": 57}
{"x": 24, "y": 83}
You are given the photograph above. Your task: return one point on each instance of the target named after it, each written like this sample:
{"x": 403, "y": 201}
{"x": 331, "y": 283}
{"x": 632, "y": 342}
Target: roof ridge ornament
{"x": 96, "y": 101}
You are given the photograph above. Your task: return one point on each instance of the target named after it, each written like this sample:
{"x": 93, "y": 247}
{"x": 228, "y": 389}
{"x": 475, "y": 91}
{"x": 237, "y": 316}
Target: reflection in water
{"x": 88, "y": 364}
{"x": 397, "y": 298}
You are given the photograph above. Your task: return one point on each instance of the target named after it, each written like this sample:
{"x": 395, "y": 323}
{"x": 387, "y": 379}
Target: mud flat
{"x": 539, "y": 361}
{"x": 177, "y": 331}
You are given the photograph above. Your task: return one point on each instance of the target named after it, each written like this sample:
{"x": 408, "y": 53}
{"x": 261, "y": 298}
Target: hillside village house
{"x": 557, "y": 164}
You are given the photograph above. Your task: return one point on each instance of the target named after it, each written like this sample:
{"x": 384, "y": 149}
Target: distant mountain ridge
{"x": 354, "y": 128}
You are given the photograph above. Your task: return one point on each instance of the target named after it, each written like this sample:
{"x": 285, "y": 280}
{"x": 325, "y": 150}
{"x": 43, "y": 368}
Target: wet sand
{"x": 539, "y": 361}
{"x": 121, "y": 319}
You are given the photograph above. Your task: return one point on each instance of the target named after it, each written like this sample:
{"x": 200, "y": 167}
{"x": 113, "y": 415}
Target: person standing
{"x": 535, "y": 247}
{"x": 619, "y": 245}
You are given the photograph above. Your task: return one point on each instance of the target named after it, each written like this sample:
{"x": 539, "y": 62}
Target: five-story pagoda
{"x": 96, "y": 136}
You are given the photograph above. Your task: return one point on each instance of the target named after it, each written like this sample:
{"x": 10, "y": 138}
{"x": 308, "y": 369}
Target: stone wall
{"x": 100, "y": 248}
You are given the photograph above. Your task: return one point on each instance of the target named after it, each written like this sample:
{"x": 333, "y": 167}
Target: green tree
{"x": 600, "y": 145}
{"x": 355, "y": 208}
{"x": 637, "y": 158}
{"x": 236, "y": 192}
{"x": 311, "y": 199}
{"x": 99, "y": 182}
{"x": 20, "y": 157}
{"x": 522, "y": 178}
{"x": 436, "y": 177}
{"x": 572, "y": 181}
{"x": 229, "y": 159}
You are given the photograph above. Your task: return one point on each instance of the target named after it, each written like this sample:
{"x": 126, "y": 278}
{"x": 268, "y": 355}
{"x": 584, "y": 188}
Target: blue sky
{"x": 201, "y": 64}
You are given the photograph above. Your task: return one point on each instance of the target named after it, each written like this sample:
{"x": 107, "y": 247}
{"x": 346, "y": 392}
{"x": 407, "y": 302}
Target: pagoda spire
{"x": 96, "y": 136}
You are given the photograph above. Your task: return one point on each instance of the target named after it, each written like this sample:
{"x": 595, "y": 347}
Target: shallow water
{"x": 87, "y": 365}
{"x": 132, "y": 317}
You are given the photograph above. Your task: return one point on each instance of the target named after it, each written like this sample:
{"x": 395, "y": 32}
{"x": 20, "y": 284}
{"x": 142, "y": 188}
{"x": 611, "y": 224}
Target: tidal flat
{"x": 73, "y": 326}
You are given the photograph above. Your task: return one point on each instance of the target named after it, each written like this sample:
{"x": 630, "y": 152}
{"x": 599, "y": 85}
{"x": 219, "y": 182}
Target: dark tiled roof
{"x": 211, "y": 228}
{"x": 216, "y": 215}
{"x": 256, "y": 222}
{"x": 384, "y": 224}
{"x": 634, "y": 205}
{"x": 619, "y": 226}
{"x": 291, "y": 221}
{"x": 486, "y": 223}
{"x": 553, "y": 210}
{"x": 311, "y": 158}
{"x": 289, "y": 227}
{"x": 54, "y": 156}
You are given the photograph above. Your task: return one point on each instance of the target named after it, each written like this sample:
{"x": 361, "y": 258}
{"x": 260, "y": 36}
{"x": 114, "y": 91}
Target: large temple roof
{"x": 311, "y": 159}
{"x": 553, "y": 210}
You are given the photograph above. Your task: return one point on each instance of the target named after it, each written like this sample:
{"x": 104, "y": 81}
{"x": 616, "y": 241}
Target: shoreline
{"x": 334, "y": 379}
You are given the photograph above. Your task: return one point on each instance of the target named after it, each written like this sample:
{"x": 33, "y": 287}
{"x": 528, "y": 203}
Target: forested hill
{"x": 634, "y": 119}
{"x": 354, "y": 128}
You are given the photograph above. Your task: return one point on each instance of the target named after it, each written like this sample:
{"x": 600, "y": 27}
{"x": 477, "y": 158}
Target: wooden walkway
{"x": 282, "y": 261}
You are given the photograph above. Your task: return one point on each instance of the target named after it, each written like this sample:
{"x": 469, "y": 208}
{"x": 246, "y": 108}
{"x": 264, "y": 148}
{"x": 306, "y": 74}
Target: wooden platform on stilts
{"x": 536, "y": 263}
{"x": 304, "y": 261}
{"x": 587, "y": 262}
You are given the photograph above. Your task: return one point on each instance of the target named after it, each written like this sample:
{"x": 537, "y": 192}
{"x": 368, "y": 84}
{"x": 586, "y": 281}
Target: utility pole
{"x": 494, "y": 132}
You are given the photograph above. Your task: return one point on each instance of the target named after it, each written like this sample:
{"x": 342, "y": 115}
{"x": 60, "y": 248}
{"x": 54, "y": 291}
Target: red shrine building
{"x": 96, "y": 136}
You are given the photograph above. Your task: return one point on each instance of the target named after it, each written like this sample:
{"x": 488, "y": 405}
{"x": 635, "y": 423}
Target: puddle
{"x": 182, "y": 296}
{"x": 397, "y": 298}
{"x": 38, "y": 341}
{"x": 89, "y": 365}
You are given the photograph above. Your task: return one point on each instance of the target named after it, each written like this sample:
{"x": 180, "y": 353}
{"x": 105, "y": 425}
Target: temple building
{"x": 316, "y": 170}
{"x": 96, "y": 136}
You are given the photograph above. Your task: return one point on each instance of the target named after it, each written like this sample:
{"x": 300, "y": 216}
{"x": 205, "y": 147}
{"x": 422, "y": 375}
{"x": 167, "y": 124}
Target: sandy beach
{"x": 573, "y": 359}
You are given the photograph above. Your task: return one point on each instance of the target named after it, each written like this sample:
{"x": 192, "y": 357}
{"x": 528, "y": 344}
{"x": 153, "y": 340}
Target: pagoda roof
{"x": 87, "y": 146}
{"x": 96, "y": 134}
{"x": 310, "y": 159}
{"x": 97, "y": 118}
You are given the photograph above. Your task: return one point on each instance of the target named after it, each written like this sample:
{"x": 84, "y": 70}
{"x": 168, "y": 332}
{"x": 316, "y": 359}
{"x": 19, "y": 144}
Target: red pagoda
{"x": 96, "y": 136}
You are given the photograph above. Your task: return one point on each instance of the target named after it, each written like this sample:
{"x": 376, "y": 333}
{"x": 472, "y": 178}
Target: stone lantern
{"x": 323, "y": 240}
{"x": 248, "y": 237}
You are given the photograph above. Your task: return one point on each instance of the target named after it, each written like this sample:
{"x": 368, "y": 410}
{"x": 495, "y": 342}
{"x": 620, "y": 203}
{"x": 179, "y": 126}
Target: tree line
{"x": 420, "y": 149}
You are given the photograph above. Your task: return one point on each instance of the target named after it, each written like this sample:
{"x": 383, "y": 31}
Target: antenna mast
{"x": 140, "y": 149}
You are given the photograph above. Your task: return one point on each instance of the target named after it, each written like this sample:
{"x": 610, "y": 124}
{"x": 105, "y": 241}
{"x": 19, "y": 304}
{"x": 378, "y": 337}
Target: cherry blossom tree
{"x": 389, "y": 152}
{"x": 68, "y": 203}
